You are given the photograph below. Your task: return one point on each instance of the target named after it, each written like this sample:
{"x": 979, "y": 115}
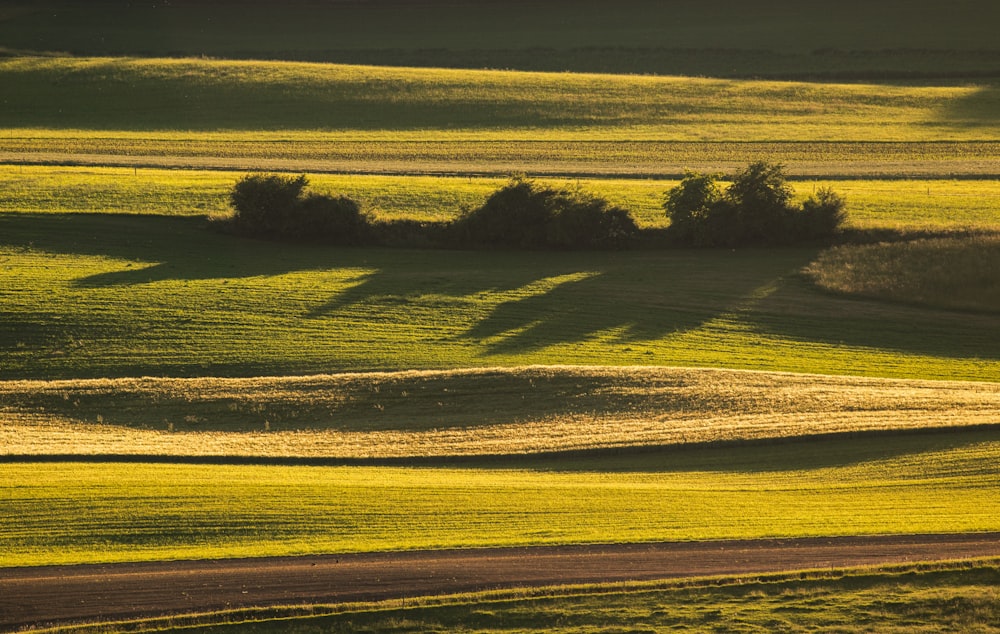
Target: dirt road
{"x": 96, "y": 592}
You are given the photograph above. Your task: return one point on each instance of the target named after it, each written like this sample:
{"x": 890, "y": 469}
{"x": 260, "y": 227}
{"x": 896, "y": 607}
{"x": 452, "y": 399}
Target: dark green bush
{"x": 412, "y": 234}
{"x": 276, "y": 207}
{"x": 689, "y": 206}
{"x": 756, "y": 209}
{"x": 515, "y": 215}
{"x": 590, "y": 223}
{"x": 263, "y": 202}
{"x": 327, "y": 219}
{"x": 524, "y": 215}
{"x": 822, "y": 214}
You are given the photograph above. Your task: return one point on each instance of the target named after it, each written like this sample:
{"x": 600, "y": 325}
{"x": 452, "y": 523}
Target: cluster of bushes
{"x": 756, "y": 209}
{"x": 519, "y": 215}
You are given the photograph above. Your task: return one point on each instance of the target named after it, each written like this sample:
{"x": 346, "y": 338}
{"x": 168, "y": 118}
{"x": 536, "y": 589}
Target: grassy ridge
{"x": 946, "y": 598}
{"x": 850, "y": 38}
{"x": 930, "y": 205}
{"x": 105, "y": 295}
{"x": 66, "y": 512}
{"x": 135, "y": 94}
{"x": 336, "y": 118}
{"x": 490, "y": 412}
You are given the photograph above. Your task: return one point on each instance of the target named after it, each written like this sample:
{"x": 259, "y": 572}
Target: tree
{"x": 689, "y": 204}
{"x": 756, "y": 209}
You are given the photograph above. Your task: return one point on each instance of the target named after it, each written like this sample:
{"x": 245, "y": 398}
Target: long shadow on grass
{"x": 531, "y": 301}
{"x": 510, "y": 303}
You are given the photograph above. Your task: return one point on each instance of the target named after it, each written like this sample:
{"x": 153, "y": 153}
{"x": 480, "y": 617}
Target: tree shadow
{"x": 536, "y": 300}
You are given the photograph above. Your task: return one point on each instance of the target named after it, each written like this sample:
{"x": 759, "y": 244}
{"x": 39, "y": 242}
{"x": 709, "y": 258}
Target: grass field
{"x": 329, "y": 118}
{"x": 951, "y": 598}
{"x": 944, "y": 272}
{"x": 891, "y": 38}
{"x": 112, "y": 94}
{"x": 520, "y": 397}
{"x": 73, "y": 512}
{"x": 111, "y": 295}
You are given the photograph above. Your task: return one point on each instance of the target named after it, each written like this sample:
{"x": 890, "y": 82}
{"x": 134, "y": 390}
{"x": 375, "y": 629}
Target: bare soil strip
{"x": 60, "y": 594}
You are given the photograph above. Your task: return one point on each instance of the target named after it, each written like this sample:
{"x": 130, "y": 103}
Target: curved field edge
{"x": 468, "y": 412}
{"x": 76, "y": 512}
{"x": 954, "y": 596}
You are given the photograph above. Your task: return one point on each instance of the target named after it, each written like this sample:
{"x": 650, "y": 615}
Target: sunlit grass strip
{"x": 189, "y": 94}
{"x": 896, "y": 204}
{"x": 488, "y": 412}
{"x": 67, "y": 512}
{"x": 957, "y": 273}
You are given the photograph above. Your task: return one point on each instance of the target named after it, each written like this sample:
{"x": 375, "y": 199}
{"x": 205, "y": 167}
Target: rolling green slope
{"x": 73, "y": 512}
{"x": 335, "y": 118}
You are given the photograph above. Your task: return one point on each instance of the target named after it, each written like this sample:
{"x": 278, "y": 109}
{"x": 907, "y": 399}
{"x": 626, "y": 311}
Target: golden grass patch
{"x": 476, "y": 412}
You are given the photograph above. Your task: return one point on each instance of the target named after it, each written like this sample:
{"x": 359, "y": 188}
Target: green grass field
{"x": 72, "y": 512}
{"x": 111, "y": 161}
{"x": 950, "y": 273}
{"x": 114, "y": 295}
{"x": 510, "y": 414}
{"x": 330, "y": 118}
{"x": 923, "y": 205}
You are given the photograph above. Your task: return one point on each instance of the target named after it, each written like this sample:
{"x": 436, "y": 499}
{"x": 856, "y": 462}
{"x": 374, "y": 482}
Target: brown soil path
{"x": 32, "y": 596}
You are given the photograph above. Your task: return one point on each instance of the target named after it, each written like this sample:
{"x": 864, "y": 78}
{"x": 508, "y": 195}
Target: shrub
{"x": 263, "y": 202}
{"x": 276, "y": 207}
{"x": 590, "y": 223}
{"x": 523, "y": 215}
{"x": 822, "y": 214}
{"x": 515, "y": 215}
{"x": 755, "y": 209}
{"x": 413, "y": 234}
{"x": 329, "y": 219}
{"x": 689, "y": 205}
